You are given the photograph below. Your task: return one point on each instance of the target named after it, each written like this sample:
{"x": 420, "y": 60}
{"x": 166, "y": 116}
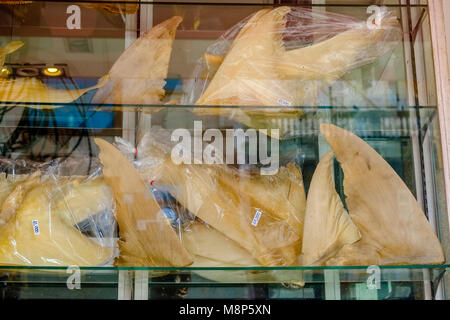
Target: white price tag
{"x": 35, "y": 227}
{"x": 284, "y": 102}
{"x": 256, "y": 218}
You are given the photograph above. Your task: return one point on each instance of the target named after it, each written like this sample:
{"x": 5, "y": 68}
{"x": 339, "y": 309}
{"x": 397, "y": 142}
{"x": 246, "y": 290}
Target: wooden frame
{"x": 440, "y": 55}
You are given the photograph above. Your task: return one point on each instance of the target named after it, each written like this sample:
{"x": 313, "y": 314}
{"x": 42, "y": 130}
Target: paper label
{"x": 284, "y": 102}
{"x": 35, "y": 227}
{"x": 256, "y": 218}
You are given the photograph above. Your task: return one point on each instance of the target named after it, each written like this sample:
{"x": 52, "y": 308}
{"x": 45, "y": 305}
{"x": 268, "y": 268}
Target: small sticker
{"x": 284, "y": 102}
{"x": 256, "y": 218}
{"x": 35, "y": 227}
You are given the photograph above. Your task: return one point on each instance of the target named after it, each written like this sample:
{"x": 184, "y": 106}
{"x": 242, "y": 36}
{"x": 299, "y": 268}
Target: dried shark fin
{"x": 212, "y": 194}
{"x": 14, "y": 200}
{"x": 79, "y": 199}
{"x": 138, "y": 76}
{"x": 248, "y": 69}
{"x": 9, "y": 48}
{"x": 204, "y": 241}
{"x": 329, "y": 60}
{"x": 328, "y": 226}
{"x": 6, "y": 186}
{"x": 147, "y": 238}
{"x": 258, "y": 70}
{"x": 36, "y": 236}
{"x": 212, "y": 249}
{"x": 32, "y": 90}
{"x": 394, "y": 229}
{"x": 197, "y": 188}
{"x": 247, "y": 76}
{"x": 265, "y": 192}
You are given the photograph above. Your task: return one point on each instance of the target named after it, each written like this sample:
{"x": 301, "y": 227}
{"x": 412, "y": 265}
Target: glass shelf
{"x": 212, "y": 269}
{"x": 390, "y": 103}
{"x": 93, "y": 116}
{"x": 174, "y": 283}
{"x": 134, "y": 107}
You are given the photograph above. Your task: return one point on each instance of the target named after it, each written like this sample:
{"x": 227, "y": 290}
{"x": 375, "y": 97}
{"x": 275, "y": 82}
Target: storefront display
{"x": 167, "y": 150}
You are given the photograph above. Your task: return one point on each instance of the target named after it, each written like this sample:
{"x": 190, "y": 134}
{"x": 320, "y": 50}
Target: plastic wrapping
{"x": 281, "y": 58}
{"x": 241, "y": 219}
{"x": 50, "y": 216}
{"x": 138, "y": 76}
{"x": 227, "y": 217}
{"x": 146, "y": 237}
{"x": 218, "y": 215}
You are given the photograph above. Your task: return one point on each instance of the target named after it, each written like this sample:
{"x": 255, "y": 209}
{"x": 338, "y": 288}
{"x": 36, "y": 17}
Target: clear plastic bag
{"x": 265, "y": 59}
{"x": 226, "y": 216}
{"x": 281, "y": 58}
{"x": 51, "y": 215}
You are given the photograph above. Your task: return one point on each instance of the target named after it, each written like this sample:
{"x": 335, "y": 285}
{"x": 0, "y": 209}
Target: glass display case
{"x": 232, "y": 149}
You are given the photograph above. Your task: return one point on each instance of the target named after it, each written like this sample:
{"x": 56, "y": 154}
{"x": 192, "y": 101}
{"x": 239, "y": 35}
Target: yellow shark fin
{"x": 33, "y": 90}
{"x": 328, "y": 226}
{"x": 329, "y": 60}
{"x": 37, "y": 236}
{"x": 394, "y": 229}
{"x": 138, "y": 75}
{"x": 146, "y": 237}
